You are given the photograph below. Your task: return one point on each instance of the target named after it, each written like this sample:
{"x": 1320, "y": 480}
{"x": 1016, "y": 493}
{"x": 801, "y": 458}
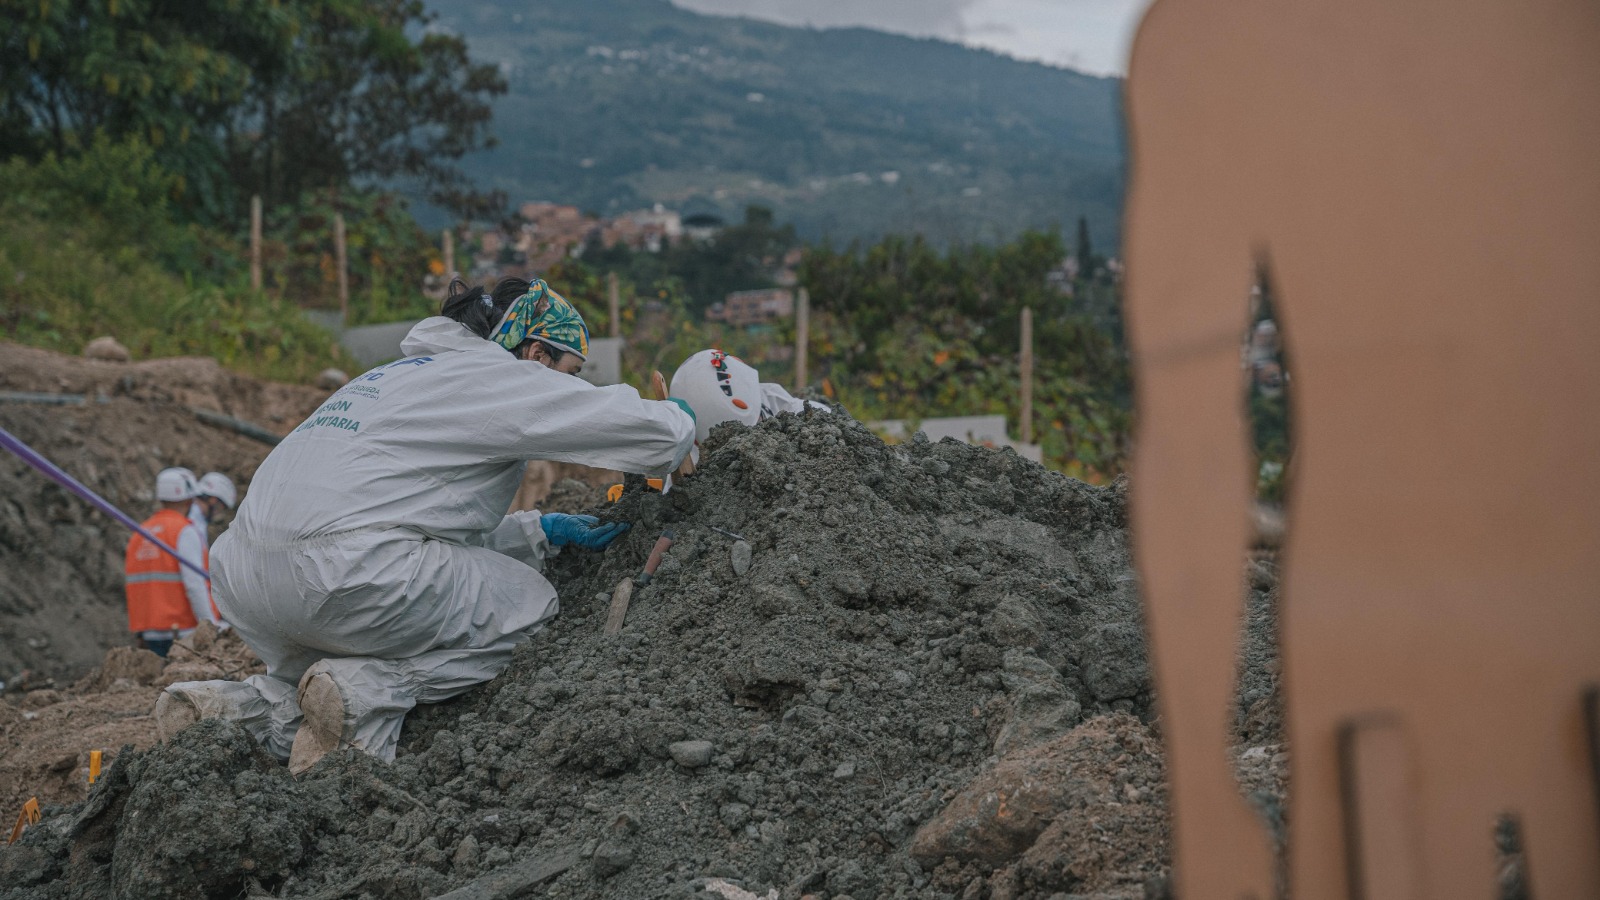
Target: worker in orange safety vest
{"x": 167, "y": 600}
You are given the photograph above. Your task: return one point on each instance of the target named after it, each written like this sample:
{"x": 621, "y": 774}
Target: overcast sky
{"x": 1091, "y": 35}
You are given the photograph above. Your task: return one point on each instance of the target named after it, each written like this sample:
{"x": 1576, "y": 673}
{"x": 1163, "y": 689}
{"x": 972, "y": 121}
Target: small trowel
{"x": 623, "y": 595}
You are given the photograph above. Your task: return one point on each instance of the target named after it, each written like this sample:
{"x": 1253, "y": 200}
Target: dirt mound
{"x": 46, "y": 735}
{"x": 212, "y": 816}
{"x": 781, "y": 717}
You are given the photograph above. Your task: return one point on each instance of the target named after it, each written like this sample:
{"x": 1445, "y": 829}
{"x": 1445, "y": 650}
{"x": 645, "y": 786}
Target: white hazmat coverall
{"x": 374, "y": 544}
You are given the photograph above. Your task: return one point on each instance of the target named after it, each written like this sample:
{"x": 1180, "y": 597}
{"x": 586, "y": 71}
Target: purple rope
{"x": 54, "y": 472}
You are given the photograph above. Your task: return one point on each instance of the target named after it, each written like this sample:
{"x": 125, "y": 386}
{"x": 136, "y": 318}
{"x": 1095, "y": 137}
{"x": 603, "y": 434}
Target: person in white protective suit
{"x": 216, "y": 493}
{"x": 372, "y": 566}
{"x": 723, "y": 388}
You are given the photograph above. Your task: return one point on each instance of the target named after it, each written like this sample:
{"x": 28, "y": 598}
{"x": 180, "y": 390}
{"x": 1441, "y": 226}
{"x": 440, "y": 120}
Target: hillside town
{"x": 542, "y": 233}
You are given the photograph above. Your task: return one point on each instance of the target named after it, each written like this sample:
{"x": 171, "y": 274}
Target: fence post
{"x": 1027, "y": 375}
{"x": 448, "y": 242}
{"x": 615, "y": 300}
{"x": 255, "y": 242}
{"x": 802, "y": 338}
{"x": 341, "y": 265}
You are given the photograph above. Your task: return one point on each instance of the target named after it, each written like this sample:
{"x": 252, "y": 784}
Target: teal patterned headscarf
{"x": 545, "y": 315}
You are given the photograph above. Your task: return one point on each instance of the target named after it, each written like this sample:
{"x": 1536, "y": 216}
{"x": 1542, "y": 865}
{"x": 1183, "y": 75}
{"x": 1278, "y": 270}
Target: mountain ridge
{"x": 847, "y": 132}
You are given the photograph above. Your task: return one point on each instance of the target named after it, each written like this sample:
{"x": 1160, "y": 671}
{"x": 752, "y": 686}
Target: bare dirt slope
{"x": 47, "y": 735}
{"x": 61, "y": 601}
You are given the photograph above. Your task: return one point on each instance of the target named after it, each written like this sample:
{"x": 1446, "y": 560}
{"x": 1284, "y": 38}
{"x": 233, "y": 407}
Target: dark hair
{"x": 465, "y": 304}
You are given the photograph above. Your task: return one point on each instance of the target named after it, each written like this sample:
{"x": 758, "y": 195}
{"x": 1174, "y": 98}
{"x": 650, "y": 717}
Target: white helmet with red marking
{"x": 719, "y": 388}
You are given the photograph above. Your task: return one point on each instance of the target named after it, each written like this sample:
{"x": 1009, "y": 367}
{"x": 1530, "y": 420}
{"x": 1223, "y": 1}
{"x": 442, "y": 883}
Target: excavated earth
{"x": 116, "y": 425}
{"x": 920, "y": 673}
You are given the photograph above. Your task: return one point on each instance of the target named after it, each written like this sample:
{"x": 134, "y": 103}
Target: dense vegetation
{"x": 237, "y": 98}
{"x": 740, "y": 257}
{"x": 93, "y": 246}
{"x": 900, "y": 328}
{"x": 134, "y": 132}
{"x": 910, "y": 332}
{"x": 613, "y": 104}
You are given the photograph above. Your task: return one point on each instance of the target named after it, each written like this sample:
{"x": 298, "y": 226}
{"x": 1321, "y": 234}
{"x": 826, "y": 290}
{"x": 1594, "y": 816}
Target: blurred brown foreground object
{"x": 1421, "y": 179}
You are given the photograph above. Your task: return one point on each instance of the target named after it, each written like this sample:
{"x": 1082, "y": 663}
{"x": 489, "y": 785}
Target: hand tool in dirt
{"x": 658, "y": 383}
{"x": 741, "y": 552}
{"x": 623, "y": 595}
{"x": 653, "y": 561}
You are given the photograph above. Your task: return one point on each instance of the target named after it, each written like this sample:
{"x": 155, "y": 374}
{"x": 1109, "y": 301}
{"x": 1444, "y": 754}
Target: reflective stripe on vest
{"x": 147, "y": 577}
{"x": 154, "y": 584}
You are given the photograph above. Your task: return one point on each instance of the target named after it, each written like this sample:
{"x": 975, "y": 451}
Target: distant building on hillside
{"x": 658, "y": 226}
{"x": 554, "y": 216}
{"x": 552, "y": 231}
{"x": 702, "y": 226}
{"x": 544, "y": 233}
{"x": 647, "y": 230}
{"x": 760, "y": 307}
{"x": 787, "y": 274}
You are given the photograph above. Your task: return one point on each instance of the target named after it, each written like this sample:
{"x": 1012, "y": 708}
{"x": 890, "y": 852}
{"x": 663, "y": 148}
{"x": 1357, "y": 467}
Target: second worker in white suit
{"x": 372, "y": 566}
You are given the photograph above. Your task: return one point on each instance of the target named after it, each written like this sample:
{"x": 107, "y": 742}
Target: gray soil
{"x": 915, "y": 622}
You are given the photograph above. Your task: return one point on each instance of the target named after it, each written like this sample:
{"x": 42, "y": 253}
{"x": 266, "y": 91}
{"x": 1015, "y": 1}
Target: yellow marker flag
{"x": 29, "y": 816}
{"x": 94, "y": 764}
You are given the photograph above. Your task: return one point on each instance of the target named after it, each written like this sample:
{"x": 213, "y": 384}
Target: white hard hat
{"x": 176, "y": 484}
{"x": 719, "y": 388}
{"x": 220, "y": 486}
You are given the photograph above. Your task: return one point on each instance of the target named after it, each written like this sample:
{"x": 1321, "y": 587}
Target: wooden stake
{"x": 618, "y": 613}
{"x": 255, "y": 242}
{"x": 802, "y": 339}
{"x": 614, "y": 298}
{"x": 373, "y": 280}
{"x": 342, "y": 265}
{"x": 447, "y": 240}
{"x": 1027, "y": 375}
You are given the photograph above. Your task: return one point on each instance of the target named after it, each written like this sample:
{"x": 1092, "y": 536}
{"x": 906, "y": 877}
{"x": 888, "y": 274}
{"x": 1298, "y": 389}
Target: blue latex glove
{"x": 580, "y": 531}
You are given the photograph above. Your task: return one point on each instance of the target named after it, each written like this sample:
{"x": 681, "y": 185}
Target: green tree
{"x": 1085, "y": 250}
{"x": 359, "y": 98}
{"x": 237, "y": 98}
{"x": 387, "y": 254}
{"x": 907, "y": 331}
{"x": 739, "y": 257}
